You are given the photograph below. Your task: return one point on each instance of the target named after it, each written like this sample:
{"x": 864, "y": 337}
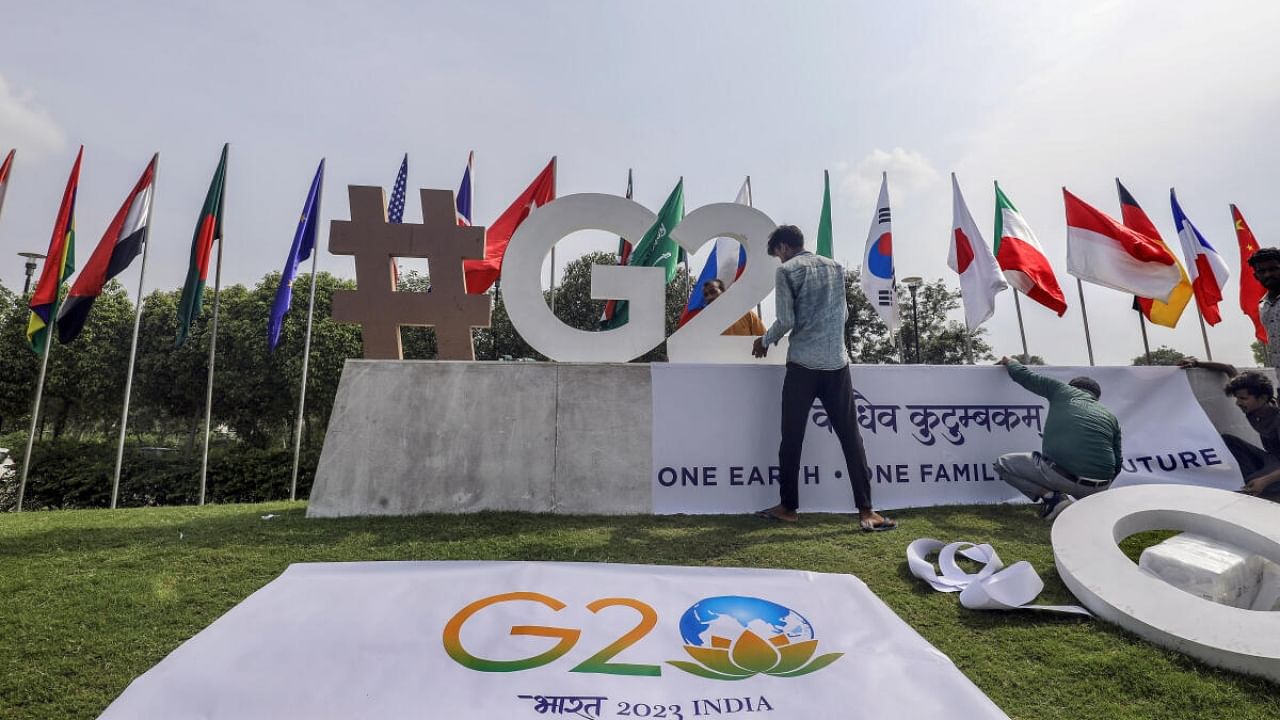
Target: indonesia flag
{"x": 877, "y": 276}
{"x": 1101, "y": 250}
{"x": 980, "y": 278}
{"x": 4, "y": 175}
{"x": 1206, "y": 267}
{"x": 726, "y": 262}
{"x": 464, "y": 193}
{"x": 120, "y": 244}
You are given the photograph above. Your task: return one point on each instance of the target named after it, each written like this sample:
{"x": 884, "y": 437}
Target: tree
{"x": 1163, "y": 355}
{"x": 1028, "y": 359}
{"x": 1259, "y": 352}
{"x": 942, "y": 340}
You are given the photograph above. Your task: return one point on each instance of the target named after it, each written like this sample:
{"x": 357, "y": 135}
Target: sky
{"x": 1036, "y": 95}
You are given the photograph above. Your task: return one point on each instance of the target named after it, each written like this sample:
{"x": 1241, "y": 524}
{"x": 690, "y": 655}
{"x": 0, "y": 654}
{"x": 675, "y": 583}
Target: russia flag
{"x": 463, "y": 201}
{"x": 727, "y": 260}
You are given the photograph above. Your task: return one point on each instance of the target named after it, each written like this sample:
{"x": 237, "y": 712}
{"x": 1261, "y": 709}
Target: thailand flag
{"x": 464, "y": 193}
{"x": 726, "y": 262}
{"x": 1206, "y": 268}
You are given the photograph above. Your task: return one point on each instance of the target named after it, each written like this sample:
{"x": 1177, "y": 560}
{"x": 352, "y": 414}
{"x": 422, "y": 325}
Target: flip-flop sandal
{"x": 886, "y": 524}
{"x": 766, "y": 515}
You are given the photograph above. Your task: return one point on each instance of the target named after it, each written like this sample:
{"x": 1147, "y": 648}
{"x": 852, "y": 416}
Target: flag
{"x": 624, "y": 253}
{"x": 878, "y": 282}
{"x": 4, "y": 175}
{"x": 481, "y": 274}
{"x": 825, "y": 243}
{"x": 980, "y": 278}
{"x": 1206, "y": 267}
{"x": 59, "y": 263}
{"x": 121, "y": 243}
{"x": 208, "y": 229}
{"x": 1166, "y": 312}
{"x": 725, "y": 263}
{"x": 304, "y": 241}
{"x": 1251, "y": 291}
{"x": 656, "y": 248}
{"x": 463, "y": 201}
{"x": 1022, "y": 259}
{"x": 395, "y": 209}
{"x": 1101, "y": 250}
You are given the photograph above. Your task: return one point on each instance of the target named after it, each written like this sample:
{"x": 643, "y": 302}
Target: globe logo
{"x": 733, "y": 637}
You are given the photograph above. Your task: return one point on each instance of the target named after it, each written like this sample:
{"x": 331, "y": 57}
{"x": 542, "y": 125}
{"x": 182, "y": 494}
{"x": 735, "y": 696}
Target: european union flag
{"x": 304, "y": 242}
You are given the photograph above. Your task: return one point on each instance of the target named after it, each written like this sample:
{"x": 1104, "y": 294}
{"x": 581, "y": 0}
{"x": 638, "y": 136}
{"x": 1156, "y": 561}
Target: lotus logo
{"x": 734, "y": 638}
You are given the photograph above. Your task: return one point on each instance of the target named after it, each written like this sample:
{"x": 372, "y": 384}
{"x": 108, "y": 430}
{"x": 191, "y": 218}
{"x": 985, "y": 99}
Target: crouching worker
{"x": 1080, "y": 454}
{"x": 1256, "y": 397}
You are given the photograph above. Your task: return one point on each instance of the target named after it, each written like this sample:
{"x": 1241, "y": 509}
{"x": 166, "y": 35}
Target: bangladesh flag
{"x": 208, "y": 229}
{"x": 59, "y": 263}
{"x": 655, "y": 249}
{"x": 1022, "y": 259}
{"x": 824, "y": 222}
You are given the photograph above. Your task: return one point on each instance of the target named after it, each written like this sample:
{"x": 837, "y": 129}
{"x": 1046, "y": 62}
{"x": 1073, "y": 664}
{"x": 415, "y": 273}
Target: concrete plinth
{"x": 410, "y": 437}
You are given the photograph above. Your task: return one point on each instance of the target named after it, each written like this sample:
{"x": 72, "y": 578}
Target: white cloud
{"x": 910, "y": 172}
{"x": 26, "y": 125}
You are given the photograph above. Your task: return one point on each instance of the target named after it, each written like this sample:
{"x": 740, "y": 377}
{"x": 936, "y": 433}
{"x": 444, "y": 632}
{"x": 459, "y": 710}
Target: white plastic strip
{"x": 994, "y": 587}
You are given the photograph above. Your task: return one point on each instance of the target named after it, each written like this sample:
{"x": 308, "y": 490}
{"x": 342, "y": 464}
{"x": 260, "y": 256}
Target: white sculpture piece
{"x": 698, "y": 341}
{"x": 1107, "y": 582}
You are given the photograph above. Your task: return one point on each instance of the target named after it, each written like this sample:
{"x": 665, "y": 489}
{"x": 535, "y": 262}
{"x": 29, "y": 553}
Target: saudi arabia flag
{"x": 655, "y": 249}
{"x": 1022, "y": 259}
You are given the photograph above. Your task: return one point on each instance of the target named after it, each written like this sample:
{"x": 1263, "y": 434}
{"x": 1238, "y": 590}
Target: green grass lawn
{"x": 91, "y": 599}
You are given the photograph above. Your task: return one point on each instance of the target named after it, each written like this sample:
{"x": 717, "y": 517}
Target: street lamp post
{"x": 31, "y": 257}
{"x": 913, "y": 283}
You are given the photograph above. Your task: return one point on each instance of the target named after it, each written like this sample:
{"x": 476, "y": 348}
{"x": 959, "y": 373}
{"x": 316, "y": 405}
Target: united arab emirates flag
{"x": 59, "y": 263}
{"x": 208, "y": 229}
{"x": 655, "y": 249}
{"x": 1022, "y": 259}
{"x": 119, "y": 246}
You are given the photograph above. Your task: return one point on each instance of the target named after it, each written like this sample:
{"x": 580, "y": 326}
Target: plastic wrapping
{"x": 1206, "y": 568}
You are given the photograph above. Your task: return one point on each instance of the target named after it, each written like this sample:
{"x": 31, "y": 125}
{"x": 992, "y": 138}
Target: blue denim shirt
{"x": 811, "y": 305}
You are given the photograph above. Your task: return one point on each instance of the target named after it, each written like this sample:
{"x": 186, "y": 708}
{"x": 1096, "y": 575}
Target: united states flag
{"x": 395, "y": 210}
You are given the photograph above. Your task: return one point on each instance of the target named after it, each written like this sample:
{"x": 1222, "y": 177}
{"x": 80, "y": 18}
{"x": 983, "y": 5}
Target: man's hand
{"x": 1189, "y": 362}
{"x": 1004, "y": 360}
{"x": 1257, "y": 485}
{"x": 759, "y": 349}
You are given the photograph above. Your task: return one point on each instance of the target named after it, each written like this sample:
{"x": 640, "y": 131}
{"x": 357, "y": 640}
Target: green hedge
{"x": 67, "y": 474}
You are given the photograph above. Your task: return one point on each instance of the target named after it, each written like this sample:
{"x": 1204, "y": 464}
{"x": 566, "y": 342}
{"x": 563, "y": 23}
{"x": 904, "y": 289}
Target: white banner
{"x": 932, "y": 434}
{"x": 463, "y": 640}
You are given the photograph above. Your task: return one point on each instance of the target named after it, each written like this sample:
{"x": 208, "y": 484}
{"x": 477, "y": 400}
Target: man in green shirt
{"x": 1080, "y": 454}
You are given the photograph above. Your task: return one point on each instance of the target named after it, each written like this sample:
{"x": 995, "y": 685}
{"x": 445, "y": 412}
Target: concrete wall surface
{"x": 410, "y": 437}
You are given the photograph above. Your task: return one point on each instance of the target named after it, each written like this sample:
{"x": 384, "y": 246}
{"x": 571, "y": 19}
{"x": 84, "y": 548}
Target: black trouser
{"x": 835, "y": 390}
{"x": 1253, "y": 462}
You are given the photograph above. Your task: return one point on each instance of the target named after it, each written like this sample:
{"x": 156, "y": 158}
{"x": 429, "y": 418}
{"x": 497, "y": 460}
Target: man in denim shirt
{"x": 811, "y": 306}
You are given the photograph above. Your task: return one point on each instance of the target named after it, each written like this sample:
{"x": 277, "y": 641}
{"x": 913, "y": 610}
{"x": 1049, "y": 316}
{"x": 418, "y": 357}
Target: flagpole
{"x": 1146, "y": 346}
{"x": 1088, "y": 341}
{"x": 1022, "y": 331}
{"x": 208, "y": 400}
{"x": 133, "y": 345}
{"x": 306, "y": 354}
{"x": 35, "y": 408}
{"x": 1208, "y": 354}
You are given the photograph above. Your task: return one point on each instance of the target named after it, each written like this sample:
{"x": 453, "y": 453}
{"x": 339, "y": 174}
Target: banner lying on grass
{"x": 931, "y": 435}
{"x": 460, "y": 640}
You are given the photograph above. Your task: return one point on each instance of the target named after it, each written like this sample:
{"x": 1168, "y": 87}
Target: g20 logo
{"x": 729, "y": 637}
